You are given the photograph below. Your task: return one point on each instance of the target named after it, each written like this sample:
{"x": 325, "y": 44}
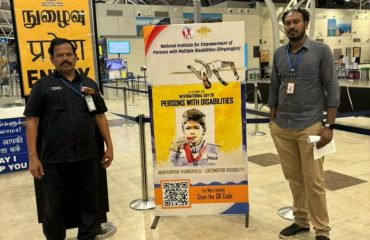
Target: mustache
{"x": 66, "y": 62}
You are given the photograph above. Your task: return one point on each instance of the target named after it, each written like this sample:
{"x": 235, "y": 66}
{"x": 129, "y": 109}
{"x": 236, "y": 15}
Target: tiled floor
{"x": 264, "y": 159}
{"x": 335, "y": 181}
{"x": 349, "y": 205}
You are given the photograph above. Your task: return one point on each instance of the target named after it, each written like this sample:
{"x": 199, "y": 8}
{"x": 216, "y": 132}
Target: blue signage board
{"x": 13, "y": 147}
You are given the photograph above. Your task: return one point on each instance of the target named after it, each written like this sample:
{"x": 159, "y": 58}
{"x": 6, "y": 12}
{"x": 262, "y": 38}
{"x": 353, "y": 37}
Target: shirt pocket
{"x": 55, "y": 100}
{"x": 309, "y": 70}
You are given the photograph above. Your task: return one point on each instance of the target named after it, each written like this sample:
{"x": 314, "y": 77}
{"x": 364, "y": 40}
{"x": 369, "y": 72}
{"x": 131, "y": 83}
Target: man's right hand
{"x": 36, "y": 168}
{"x": 178, "y": 143}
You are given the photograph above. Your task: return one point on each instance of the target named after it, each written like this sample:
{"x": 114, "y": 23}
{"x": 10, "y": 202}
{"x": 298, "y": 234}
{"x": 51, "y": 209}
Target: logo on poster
{"x": 187, "y": 32}
{"x": 204, "y": 31}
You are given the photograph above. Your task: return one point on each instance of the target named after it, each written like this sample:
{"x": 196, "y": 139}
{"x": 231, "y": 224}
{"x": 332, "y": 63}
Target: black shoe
{"x": 322, "y": 238}
{"x": 292, "y": 230}
{"x": 101, "y": 231}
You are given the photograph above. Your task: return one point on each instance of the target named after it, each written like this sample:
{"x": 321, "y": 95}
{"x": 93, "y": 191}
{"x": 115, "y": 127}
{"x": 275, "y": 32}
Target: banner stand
{"x": 145, "y": 203}
{"x": 198, "y": 107}
{"x": 156, "y": 220}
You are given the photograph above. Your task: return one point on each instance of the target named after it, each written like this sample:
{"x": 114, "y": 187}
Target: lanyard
{"x": 298, "y": 59}
{"x": 71, "y": 87}
{"x": 189, "y": 155}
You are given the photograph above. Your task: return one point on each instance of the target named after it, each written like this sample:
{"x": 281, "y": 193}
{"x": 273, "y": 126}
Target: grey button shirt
{"x": 316, "y": 85}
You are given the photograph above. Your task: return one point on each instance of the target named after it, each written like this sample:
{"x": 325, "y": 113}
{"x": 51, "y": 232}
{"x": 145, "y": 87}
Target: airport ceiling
{"x": 6, "y": 23}
{"x": 342, "y": 4}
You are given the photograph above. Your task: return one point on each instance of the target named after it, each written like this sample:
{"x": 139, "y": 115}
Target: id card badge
{"x": 290, "y": 88}
{"x": 90, "y": 103}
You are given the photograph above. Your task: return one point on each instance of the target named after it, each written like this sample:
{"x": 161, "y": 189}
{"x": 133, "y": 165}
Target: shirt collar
{"x": 76, "y": 79}
{"x": 306, "y": 45}
{"x": 197, "y": 148}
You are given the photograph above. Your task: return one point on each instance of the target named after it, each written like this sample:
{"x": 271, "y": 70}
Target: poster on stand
{"x": 37, "y": 22}
{"x": 197, "y": 110}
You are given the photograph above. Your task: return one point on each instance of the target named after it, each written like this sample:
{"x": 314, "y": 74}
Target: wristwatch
{"x": 328, "y": 125}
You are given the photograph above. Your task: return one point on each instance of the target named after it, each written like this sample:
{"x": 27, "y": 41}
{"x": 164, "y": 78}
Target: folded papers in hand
{"x": 318, "y": 153}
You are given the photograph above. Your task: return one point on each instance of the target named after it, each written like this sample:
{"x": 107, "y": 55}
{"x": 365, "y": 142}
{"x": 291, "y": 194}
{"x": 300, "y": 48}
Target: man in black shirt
{"x": 62, "y": 113}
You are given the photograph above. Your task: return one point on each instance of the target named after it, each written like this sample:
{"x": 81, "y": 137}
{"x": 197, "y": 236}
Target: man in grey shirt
{"x": 303, "y": 84}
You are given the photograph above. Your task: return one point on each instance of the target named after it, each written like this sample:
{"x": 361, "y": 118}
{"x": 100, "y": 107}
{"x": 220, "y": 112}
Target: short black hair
{"x": 194, "y": 115}
{"x": 304, "y": 12}
{"x": 59, "y": 41}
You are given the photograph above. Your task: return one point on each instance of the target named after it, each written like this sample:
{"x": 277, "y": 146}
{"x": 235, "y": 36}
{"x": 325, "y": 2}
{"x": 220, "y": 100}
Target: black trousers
{"x": 60, "y": 181}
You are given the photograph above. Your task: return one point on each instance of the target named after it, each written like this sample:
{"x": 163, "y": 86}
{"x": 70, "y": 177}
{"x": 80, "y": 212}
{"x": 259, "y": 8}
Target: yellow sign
{"x": 220, "y": 102}
{"x": 38, "y": 22}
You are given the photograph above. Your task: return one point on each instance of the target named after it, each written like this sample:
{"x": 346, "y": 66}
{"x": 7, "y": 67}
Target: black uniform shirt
{"x": 66, "y": 127}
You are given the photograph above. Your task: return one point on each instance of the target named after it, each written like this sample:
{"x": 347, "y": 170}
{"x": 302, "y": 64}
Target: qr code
{"x": 175, "y": 194}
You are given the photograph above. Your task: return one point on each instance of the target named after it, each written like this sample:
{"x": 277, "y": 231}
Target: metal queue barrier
{"x": 256, "y": 131}
{"x": 132, "y": 83}
{"x": 145, "y": 202}
{"x": 135, "y": 82}
{"x": 284, "y": 212}
{"x": 253, "y": 75}
{"x": 125, "y": 97}
{"x": 354, "y": 98}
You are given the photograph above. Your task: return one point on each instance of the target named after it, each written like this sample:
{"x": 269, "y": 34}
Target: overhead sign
{"x": 37, "y": 22}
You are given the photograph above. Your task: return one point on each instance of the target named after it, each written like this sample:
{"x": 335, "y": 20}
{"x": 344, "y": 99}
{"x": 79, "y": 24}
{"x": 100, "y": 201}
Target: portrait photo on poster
{"x": 194, "y": 144}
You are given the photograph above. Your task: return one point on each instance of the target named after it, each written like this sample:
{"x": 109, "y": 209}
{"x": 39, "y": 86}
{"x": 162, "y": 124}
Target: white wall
{"x": 257, "y": 26}
{"x": 360, "y": 29}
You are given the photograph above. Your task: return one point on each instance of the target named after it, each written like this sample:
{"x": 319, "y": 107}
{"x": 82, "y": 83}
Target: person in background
{"x": 62, "y": 113}
{"x": 340, "y": 61}
{"x": 5, "y": 88}
{"x": 341, "y": 69}
{"x": 303, "y": 84}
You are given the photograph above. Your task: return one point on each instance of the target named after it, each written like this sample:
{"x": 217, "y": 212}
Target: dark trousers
{"x": 59, "y": 182}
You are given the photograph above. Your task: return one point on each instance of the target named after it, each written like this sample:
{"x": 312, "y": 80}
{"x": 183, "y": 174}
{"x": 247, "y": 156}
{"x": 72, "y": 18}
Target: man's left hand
{"x": 107, "y": 158}
{"x": 326, "y": 135}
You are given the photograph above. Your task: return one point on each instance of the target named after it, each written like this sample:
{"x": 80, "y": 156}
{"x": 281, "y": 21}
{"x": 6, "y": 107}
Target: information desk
{"x": 354, "y": 97}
